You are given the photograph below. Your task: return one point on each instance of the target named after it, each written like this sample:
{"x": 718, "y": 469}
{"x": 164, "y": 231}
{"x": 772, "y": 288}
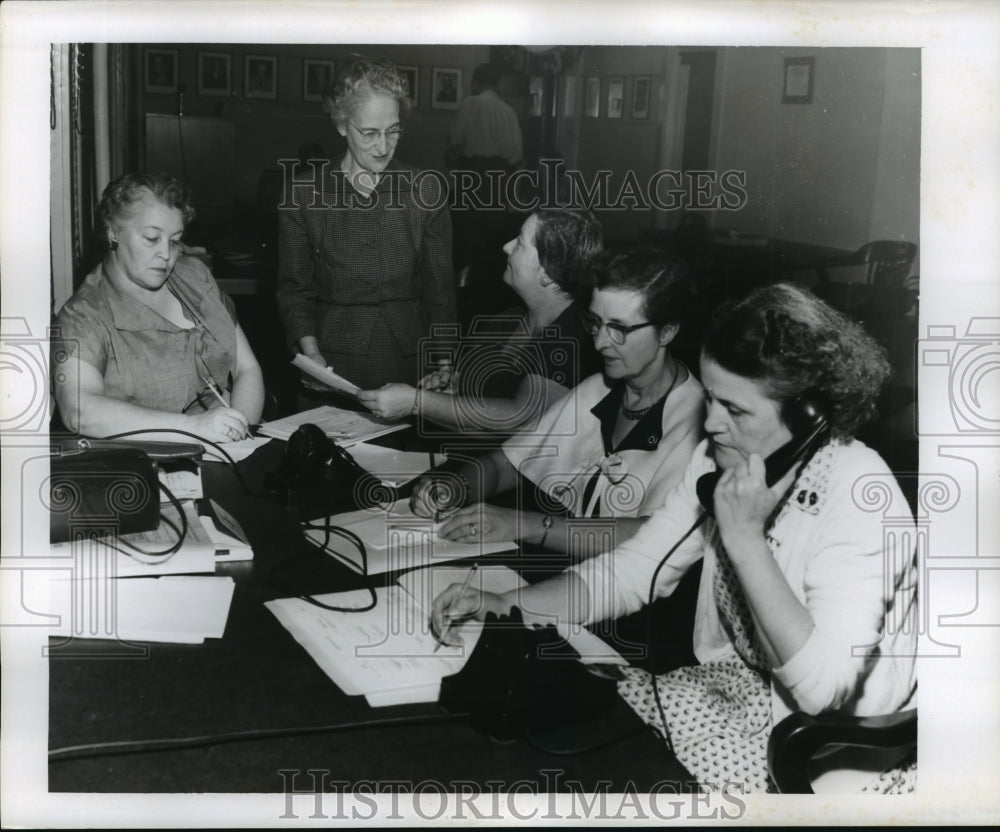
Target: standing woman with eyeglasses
{"x": 615, "y": 445}
{"x": 365, "y": 250}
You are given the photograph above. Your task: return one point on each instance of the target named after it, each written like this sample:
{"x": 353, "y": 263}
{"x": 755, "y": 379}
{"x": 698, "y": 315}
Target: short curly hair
{"x": 358, "y": 80}
{"x": 121, "y": 195}
{"x": 662, "y": 279}
{"x": 566, "y": 239}
{"x": 789, "y": 341}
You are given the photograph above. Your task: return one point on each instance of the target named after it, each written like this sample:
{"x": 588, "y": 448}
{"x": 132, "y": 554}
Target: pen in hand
{"x": 465, "y": 585}
{"x": 215, "y": 390}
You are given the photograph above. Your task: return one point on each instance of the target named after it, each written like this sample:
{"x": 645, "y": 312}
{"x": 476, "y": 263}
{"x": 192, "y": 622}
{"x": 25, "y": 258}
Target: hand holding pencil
{"x": 460, "y": 602}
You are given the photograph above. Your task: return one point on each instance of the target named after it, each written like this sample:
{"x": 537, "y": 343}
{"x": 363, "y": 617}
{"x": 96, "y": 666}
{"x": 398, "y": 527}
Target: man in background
{"x": 484, "y": 137}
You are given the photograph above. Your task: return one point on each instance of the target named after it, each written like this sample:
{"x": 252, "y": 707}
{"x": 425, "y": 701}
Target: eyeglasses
{"x": 371, "y": 135}
{"x": 616, "y": 332}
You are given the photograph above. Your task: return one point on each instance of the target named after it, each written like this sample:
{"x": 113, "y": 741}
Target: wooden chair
{"x": 796, "y": 739}
{"x": 886, "y": 262}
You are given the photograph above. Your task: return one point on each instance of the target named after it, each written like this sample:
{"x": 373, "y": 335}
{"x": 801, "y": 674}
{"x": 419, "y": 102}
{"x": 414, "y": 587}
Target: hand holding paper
{"x": 324, "y": 375}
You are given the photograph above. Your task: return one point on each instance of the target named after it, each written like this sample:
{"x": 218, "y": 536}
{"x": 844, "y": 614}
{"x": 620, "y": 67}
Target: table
{"x": 258, "y": 677}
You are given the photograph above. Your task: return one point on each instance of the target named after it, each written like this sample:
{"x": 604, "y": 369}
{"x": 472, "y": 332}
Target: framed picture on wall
{"x": 569, "y": 96}
{"x": 446, "y": 88}
{"x": 640, "y": 96}
{"x": 616, "y": 97}
{"x": 260, "y": 76}
{"x": 592, "y": 98}
{"x": 161, "y": 70}
{"x": 215, "y": 73}
{"x": 412, "y": 76}
{"x": 798, "y": 86}
{"x": 315, "y": 76}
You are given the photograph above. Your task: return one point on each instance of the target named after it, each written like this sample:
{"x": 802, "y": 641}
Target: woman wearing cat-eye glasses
{"x": 612, "y": 447}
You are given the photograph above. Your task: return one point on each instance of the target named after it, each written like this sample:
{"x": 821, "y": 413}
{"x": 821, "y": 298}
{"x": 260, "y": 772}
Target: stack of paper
{"x": 396, "y": 539}
{"x": 179, "y": 609}
{"x": 388, "y": 653}
{"x": 110, "y": 557}
{"x": 346, "y": 427}
{"x": 183, "y": 483}
{"x": 227, "y": 536}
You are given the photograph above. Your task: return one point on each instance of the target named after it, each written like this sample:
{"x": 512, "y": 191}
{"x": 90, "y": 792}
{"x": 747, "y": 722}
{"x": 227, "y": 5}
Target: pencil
{"x": 465, "y": 586}
{"x": 215, "y": 390}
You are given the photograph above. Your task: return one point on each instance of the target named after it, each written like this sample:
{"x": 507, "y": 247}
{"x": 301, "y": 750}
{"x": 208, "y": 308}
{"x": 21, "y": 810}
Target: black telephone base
{"x": 520, "y": 679}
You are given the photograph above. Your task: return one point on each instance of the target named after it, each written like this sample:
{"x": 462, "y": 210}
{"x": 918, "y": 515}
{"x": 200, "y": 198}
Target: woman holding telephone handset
{"x": 804, "y": 603}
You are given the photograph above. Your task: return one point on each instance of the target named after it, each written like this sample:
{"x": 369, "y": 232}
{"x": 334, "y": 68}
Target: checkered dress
{"x": 367, "y": 276}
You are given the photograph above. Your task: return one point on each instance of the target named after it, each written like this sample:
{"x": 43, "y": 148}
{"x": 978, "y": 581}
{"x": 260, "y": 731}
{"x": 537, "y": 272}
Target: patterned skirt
{"x": 718, "y": 720}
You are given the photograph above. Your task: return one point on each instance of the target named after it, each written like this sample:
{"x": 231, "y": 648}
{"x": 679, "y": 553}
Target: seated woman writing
{"x": 151, "y": 340}
{"x": 804, "y": 603}
{"x": 513, "y": 378}
{"x": 612, "y": 447}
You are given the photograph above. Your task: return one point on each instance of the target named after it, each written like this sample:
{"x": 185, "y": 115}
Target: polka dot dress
{"x": 719, "y": 713}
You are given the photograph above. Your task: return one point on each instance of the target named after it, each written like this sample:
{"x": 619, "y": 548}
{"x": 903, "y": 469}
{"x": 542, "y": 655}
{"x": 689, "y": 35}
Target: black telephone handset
{"x": 807, "y": 418}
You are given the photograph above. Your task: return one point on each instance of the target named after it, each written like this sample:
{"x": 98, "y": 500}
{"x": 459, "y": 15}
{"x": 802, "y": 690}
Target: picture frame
{"x": 412, "y": 76}
{"x": 446, "y": 88}
{"x": 640, "y": 96}
{"x": 535, "y": 89}
{"x": 316, "y": 74}
{"x": 260, "y": 76}
{"x": 160, "y": 67}
{"x": 215, "y": 73}
{"x": 616, "y": 97}
{"x": 592, "y": 98}
{"x": 798, "y": 80}
{"x": 569, "y": 96}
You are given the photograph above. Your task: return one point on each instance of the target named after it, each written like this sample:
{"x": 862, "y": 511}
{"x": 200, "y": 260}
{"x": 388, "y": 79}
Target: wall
{"x": 620, "y": 144}
{"x": 896, "y": 205}
{"x": 267, "y": 130}
{"x": 839, "y": 171}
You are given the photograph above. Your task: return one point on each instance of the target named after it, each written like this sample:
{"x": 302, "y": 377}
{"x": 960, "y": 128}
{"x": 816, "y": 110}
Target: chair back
{"x": 888, "y": 261}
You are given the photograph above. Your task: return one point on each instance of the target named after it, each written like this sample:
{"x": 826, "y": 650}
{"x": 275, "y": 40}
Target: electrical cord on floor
{"x": 107, "y": 749}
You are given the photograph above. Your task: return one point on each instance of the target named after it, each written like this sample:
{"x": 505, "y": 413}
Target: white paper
{"x": 325, "y": 375}
{"x": 426, "y": 584}
{"x": 393, "y": 467}
{"x": 396, "y": 539}
{"x": 387, "y": 650}
{"x": 346, "y": 427}
{"x": 179, "y": 609}
{"x": 94, "y": 558}
{"x": 184, "y": 484}
{"x": 237, "y": 450}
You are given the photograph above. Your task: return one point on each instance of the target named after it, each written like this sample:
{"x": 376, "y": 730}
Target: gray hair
{"x": 359, "y": 80}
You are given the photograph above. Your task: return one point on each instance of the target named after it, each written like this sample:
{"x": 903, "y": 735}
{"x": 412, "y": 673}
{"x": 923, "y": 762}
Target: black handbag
{"x": 102, "y": 490}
